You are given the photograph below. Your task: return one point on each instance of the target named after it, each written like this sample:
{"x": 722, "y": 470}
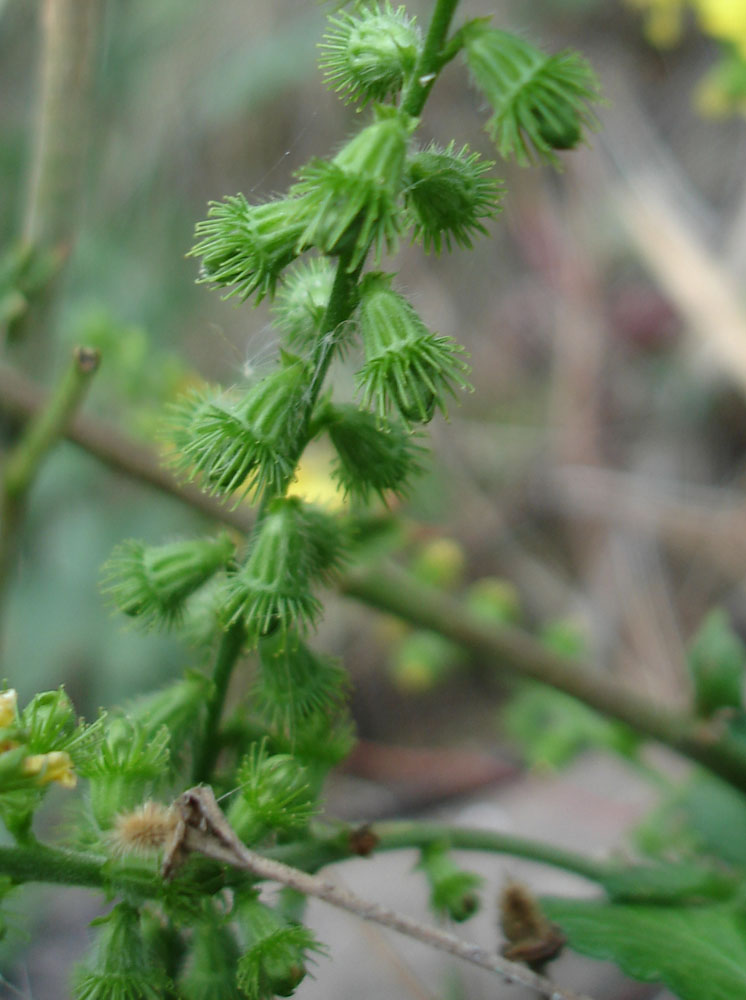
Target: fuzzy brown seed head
{"x": 145, "y": 829}
{"x": 531, "y": 937}
{"x": 520, "y": 916}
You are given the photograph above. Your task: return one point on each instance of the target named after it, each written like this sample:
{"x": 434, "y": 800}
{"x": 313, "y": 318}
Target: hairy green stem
{"x": 338, "y": 310}
{"x": 396, "y": 834}
{"x": 23, "y": 462}
{"x": 41, "y": 863}
{"x": 208, "y": 746}
{"x": 431, "y": 59}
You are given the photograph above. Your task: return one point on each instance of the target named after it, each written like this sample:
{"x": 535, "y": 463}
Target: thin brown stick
{"x": 203, "y": 828}
{"x": 21, "y": 399}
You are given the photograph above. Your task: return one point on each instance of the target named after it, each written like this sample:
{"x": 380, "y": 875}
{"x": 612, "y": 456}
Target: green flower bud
{"x": 452, "y": 890}
{"x": 494, "y": 600}
{"x": 440, "y": 562}
{"x": 274, "y": 795}
{"x": 273, "y": 587}
{"x": 277, "y": 952}
{"x": 351, "y": 201}
{"x": 717, "y": 662}
{"x": 539, "y": 102}
{"x": 245, "y": 247}
{"x": 121, "y": 966}
{"x": 302, "y": 299}
{"x": 252, "y": 443}
{"x": 50, "y": 721}
{"x": 369, "y": 55}
{"x": 130, "y": 762}
{"x": 421, "y": 660}
{"x": 448, "y": 195}
{"x": 211, "y": 968}
{"x": 406, "y": 366}
{"x": 565, "y": 636}
{"x": 153, "y": 583}
{"x": 49, "y": 725}
{"x": 373, "y": 456}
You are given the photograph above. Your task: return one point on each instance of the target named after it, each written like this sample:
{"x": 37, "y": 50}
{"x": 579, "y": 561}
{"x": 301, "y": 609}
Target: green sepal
{"x": 131, "y": 761}
{"x": 277, "y": 952}
{"x": 121, "y": 966}
{"x": 49, "y": 723}
{"x": 373, "y": 456}
{"x": 406, "y": 366}
{"x": 210, "y": 972}
{"x": 540, "y": 103}
{"x": 369, "y": 55}
{"x": 274, "y": 795}
{"x": 294, "y": 683}
{"x": 152, "y": 583}
{"x": 291, "y": 548}
{"x": 252, "y": 443}
{"x": 453, "y": 891}
{"x": 448, "y": 196}
{"x": 717, "y": 660}
{"x": 301, "y": 300}
{"x": 351, "y": 202}
{"x": 246, "y": 247}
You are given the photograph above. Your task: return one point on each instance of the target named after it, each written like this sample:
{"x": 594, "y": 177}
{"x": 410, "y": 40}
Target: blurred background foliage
{"x": 598, "y": 464}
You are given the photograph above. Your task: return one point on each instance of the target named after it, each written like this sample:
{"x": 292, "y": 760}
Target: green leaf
{"x": 704, "y": 816}
{"x": 716, "y": 658}
{"x": 669, "y": 882}
{"x": 552, "y": 728}
{"x": 698, "y": 952}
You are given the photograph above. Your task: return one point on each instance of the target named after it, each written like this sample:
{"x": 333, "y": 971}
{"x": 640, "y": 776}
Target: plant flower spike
{"x": 192, "y": 800}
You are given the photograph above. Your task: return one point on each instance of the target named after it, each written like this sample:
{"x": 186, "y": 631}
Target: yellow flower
{"x": 663, "y": 21}
{"x": 8, "y": 702}
{"x": 724, "y": 19}
{"x": 54, "y": 766}
{"x": 313, "y": 480}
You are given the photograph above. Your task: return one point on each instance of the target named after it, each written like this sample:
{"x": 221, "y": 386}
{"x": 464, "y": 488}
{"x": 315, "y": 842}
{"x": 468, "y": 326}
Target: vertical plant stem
{"x": 60, "y": 140}
{"x": 338, "y": 311}
{"x": 62, "y": 120}
{"x": 431, "y": 60}
{"x": 40, "y": 435}
{"x": 208, "y": 747}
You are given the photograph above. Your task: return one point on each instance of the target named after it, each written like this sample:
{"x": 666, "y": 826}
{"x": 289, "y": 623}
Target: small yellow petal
{"x": 724, "y": 19}
{"x": 47, "y": 767}
{"x": 8, "y": 703}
